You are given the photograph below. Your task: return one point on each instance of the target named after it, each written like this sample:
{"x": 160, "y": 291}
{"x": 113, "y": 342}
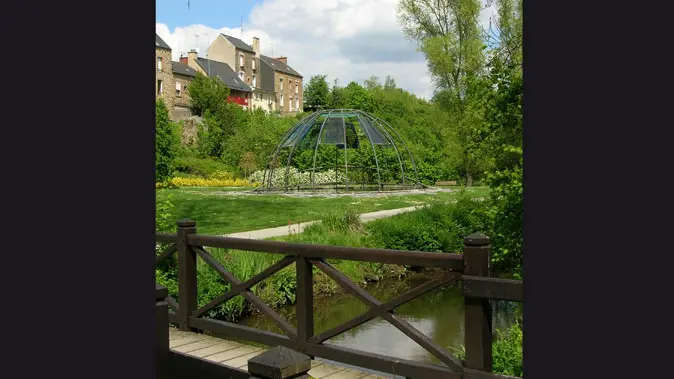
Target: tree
{"x": 372, "y": 84}
{"x": 166, "y": 141}
{"x": 448, "y": 34}
{"x": 316, "y": 92}
{"x": 247, "y": 163}
{"x": 207, "y": 94}
{"x": 390, "y": 83}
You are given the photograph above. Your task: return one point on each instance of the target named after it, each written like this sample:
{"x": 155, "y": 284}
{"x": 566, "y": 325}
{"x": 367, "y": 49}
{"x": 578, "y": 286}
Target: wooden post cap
{"x": 279, "y": 363}
{"x": 161, "y": 292}
{"x": 476, "y": 239}
{"x": 186, "y": 223}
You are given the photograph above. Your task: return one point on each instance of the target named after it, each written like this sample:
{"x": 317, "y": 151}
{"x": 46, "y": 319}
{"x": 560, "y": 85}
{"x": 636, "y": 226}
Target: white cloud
{"x": 345, "y": 39}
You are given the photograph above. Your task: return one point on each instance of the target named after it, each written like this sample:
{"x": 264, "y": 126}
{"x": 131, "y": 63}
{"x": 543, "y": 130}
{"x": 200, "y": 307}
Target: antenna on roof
{"x": 188, "y": 4}
{"x": 241, "y": 27}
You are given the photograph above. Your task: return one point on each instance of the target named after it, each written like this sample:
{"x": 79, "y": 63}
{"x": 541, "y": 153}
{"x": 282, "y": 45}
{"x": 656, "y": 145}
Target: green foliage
{"x": 506, "y": 351}
{"x": 163, "y": 221}
{"x": 166, "y": 142}
{"x": 438, "y": 227}
{"x": 207, "y": 94}
{"x": 201, "y": 167}
{"x": 316, "y": 92}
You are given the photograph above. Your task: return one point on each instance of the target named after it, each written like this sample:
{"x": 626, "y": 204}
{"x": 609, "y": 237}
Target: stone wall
{"x": 166, "y": 76}
{"x": 288, "y": 92}
{"x": 182, "y": 100}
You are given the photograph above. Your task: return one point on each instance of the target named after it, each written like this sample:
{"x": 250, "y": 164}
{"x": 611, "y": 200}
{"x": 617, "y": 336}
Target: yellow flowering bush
{"x": 210, "y": 182}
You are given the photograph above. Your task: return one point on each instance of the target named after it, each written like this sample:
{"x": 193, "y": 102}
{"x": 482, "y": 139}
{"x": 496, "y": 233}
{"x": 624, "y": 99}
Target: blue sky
{"x": 213, "y": 13}
{"x": 347, "y": 40}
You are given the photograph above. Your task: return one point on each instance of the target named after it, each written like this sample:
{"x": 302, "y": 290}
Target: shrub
{"x": 296, "y": 177}
{"x": 438, "y": 227}
{"x": 166, "y": 142}
{"x": 210, "y": 182}
{"x": 506, "y": 351}
{"x": 202, "y": 167}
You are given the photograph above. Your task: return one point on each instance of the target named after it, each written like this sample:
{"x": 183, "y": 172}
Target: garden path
{"x": 299, "y": 228}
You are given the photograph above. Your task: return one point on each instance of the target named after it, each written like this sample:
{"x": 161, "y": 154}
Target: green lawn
{"x": 221, "y": 213}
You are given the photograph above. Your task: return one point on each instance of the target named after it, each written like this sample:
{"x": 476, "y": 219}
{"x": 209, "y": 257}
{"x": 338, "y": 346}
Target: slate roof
{"x": 160, "y": 43}
{"x": 267, "y": 77}
{"x": 223, "y": 72}
{"x": 238, "y": 43}
{"x": 183, "y": 69}
{"x": 279, "y": 66}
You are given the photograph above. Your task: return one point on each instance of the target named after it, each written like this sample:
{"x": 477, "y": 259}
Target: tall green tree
{"x": 389, "y": 83}
{"x": 166, "y": 142}
{"x": 207, "y": 94}
{"x": 448, "y": 33}
{"x": 317, "y": 92}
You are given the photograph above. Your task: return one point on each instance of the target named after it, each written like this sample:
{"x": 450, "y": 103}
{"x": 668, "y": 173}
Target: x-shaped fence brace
{"x": 377, "y": 309}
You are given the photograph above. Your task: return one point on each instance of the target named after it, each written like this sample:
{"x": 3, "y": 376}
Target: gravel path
{"x": 299, "y": 228}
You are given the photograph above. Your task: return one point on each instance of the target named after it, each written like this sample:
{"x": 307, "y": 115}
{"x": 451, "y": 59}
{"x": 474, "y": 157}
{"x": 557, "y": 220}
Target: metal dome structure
{"x": 341, "y": 150}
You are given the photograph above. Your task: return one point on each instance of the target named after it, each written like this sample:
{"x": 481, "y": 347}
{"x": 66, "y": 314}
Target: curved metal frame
{"x": 304, "y": 127}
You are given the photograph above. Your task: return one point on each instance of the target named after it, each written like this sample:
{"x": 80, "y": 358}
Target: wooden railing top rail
{"x": 304, "y": 250}
{"x": 166, "y": 237}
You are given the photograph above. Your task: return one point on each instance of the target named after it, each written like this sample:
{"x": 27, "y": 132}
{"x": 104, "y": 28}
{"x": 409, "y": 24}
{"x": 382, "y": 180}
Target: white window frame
{"x": 179, "y": 91}
{"x": 281, "y": 86}
{"x": 282, "y": 101}
{"x": 159, "y": 64}
{"x": 161, "y": 86}
{"x": 297, "y": 87}
{"x": 253, "y": 63}
{"x": 297, "y": 104}
{"x": 241, "y": 75}
{"x": 242, "y": 60}
{"x": 254, "y": 81}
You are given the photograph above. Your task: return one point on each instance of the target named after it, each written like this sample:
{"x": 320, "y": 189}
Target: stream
{"x": 438, "y": 314}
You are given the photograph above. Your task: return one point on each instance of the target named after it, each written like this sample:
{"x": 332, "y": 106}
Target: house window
{"x": 297, "y": 87}
{"x": 160, "y": 87}
{"x": 281, "y": 80}
{"x": 241, "y": 60}
{"x": 177, "y": 88}
{"x": 241, "y": 75}
{"x": 254, "y": 81}
{"x": 253, "y": 63}
{"x": 297, "y": 104}
{"x": 281, "y": 100}
{"x": 159, "y": 64}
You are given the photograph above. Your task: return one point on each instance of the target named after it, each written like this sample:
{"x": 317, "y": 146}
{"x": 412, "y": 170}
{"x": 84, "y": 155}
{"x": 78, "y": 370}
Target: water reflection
{"x": 438, "y": 314}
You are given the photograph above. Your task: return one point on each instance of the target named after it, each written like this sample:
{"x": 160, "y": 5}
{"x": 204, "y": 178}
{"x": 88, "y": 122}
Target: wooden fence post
{"x": 305, "y": 300}
{"x": 478, "y": 319}
{"x": 279, "y": 363}
{"x": 161, "y": 331}
{"x": 187, "y": 274}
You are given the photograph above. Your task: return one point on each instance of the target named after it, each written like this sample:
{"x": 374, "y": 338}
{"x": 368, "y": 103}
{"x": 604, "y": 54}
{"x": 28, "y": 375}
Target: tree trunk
{"x": 469, "y": 179}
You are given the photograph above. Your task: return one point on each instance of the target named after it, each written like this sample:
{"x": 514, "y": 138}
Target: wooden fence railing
{"x": 472, "y": 267}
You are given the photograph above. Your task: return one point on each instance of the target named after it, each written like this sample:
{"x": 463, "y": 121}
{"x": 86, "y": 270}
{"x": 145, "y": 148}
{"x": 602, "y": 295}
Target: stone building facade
{"x": 164, "y": 83}
{"x": 183, "y": 75}
{"x": 288, "y": 86}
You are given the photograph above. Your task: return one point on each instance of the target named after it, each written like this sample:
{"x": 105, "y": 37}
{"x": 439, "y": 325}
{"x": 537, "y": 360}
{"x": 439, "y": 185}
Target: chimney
{"x": 283, "y": 59}
{"x": 192, "y": 59}
{"x": 256, "y": 46}
{"x": 183, "y": 60}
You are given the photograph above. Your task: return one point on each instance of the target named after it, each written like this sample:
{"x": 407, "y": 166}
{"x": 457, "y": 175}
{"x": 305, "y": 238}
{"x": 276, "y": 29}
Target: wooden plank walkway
{"x": 236, "y": 354}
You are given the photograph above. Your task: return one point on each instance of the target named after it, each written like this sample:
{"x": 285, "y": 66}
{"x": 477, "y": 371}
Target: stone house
{"x": 183, "y": 75}
{"x": 240, "y": 92}
{"x": 244, "y": 59}
{"x": 287, "y": 85}
{"x": 164, "y": 84}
